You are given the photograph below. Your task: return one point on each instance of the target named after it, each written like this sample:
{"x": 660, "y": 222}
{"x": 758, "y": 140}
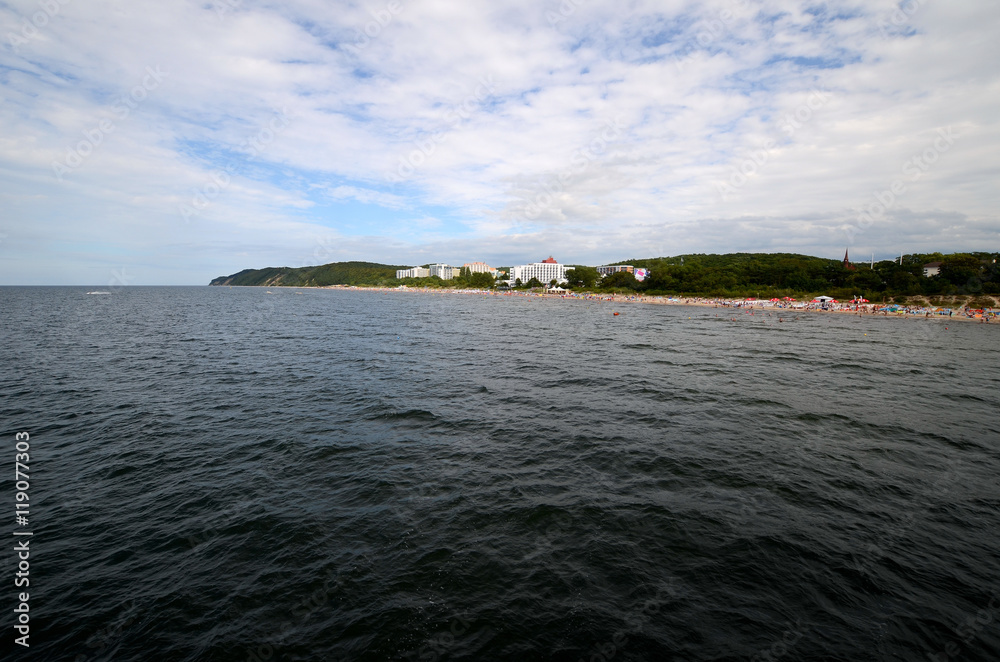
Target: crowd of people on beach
{"x": 984, "y": 315}
{"x": 866, "y": 308}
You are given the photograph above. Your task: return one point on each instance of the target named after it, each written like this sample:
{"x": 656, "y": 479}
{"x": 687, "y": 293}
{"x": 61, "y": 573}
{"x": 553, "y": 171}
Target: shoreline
{"x": 989, "y": 316}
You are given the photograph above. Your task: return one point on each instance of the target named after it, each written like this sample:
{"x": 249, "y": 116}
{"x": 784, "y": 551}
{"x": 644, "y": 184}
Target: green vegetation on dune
{"x": 740, "y": 273}
{"x": 787, "y": 274}
{"x": 763, "y": 275}
{"x": 336, "y": 273}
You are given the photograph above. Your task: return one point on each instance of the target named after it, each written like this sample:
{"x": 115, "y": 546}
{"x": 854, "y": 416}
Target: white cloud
{"x": 366, "y": 195}
{"x": 501, "y": 170}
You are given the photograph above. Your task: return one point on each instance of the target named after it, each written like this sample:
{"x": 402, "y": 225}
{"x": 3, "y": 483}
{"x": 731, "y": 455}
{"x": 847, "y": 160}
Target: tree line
{"x": 781, "y": 274}
{"x": 763, "y": 275}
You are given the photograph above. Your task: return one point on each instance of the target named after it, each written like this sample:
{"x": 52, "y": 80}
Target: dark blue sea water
{"x": 228, "y": 474}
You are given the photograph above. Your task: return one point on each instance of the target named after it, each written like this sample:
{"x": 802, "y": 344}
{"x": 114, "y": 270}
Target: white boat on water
{"x": 98, "y": 292}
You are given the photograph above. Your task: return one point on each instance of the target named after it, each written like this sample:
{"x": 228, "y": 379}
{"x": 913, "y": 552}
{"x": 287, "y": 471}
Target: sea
{"x": 253, "y": 475}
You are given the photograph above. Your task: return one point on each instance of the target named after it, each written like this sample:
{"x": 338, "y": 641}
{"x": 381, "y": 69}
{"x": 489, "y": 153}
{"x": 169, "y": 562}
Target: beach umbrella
{"x": 775, "y": 299}
{"x": 789, "y": 299}
{"x": 864, "y": 301}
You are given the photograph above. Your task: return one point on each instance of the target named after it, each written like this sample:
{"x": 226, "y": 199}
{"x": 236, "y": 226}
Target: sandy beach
{"x": 742, "y": 306}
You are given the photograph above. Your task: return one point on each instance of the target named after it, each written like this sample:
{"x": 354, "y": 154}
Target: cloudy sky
{"x": 171, "y": 142}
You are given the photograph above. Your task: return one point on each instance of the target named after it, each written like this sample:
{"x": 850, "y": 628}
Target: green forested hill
{"x": 739, "y": 270}
{"x": 773, "y": 273}
{"x": 733, "y": 274}
{"x": 336, "y": 273}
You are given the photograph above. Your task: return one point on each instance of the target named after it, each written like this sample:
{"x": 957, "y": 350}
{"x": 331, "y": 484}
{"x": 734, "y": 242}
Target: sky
{"x": 148, "y": 142}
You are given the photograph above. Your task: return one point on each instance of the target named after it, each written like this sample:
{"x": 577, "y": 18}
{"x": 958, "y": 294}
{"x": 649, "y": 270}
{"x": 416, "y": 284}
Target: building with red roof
{"x": 545, "y": 271}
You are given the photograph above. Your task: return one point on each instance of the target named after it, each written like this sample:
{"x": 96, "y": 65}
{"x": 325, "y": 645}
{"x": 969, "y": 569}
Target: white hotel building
{"x": 480, "y": 268}
{"x": 615, "y": 268}
{"x": 444, "y": 271}
{"x": 545, "y": 271}
{"x": 415, "y": 272}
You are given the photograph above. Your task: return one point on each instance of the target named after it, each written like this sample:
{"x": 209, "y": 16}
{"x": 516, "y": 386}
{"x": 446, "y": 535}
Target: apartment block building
{"x": 545, "y": 271}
